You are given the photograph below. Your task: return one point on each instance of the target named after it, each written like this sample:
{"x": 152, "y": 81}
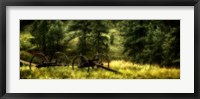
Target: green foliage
{"x": 141, "y": 41}
{"x": 153, "y": 42}
{"x": 116, "y": 48}
{"x": 100, "y": 40}
{"x": 48, "y": 35}
{"x": 134, "y": 33}
{"x": 128, "y": 70}
{"x": 171, "y": 45}
{"x": 82, "y": 30}
{"x": 25, "y": 25}
{"x": 91, "y": 35}
{"x": 25, "y": 56}
{"x": 25, "y": 41}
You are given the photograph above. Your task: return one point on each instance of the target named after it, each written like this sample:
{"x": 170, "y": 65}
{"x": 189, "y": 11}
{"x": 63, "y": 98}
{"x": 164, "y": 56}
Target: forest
{"x": 99, "y": 49}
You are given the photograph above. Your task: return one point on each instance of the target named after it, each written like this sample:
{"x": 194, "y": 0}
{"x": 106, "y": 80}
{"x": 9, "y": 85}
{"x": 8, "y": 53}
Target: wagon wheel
{"x": 102, "y": 60}
{"x": 60, "y": 59}
{"x": 80, "y": 61}
{"x": 37, "y": 59}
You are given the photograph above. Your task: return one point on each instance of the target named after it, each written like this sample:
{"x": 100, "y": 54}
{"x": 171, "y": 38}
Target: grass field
{"x": 128, "y": 70}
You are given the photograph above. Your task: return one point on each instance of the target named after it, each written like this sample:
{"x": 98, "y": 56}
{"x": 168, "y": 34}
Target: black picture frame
{"x": 4, "y": 3}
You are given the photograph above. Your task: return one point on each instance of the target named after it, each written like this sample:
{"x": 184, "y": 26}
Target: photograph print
{"x": 99, "y": 49}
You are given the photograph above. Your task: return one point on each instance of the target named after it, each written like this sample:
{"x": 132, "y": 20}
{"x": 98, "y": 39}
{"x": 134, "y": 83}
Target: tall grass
{"x": 128, "y": 70}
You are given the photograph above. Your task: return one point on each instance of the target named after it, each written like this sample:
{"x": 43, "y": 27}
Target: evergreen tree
{"x": 134, "y": 33}
{"x": 90, "y": 33}
{"x": 100, "y": 40}
{"x": 82, "y": 30}
{"x": 171, "y": 44}
{"x": 54, "y": 36}
{"x": 153, "y": 42}
{"x": 47, "y": 35}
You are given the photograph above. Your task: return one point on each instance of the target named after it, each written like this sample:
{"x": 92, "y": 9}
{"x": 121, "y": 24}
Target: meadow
{"x": 128, "y": 70}
{"x": 137, "y": 49}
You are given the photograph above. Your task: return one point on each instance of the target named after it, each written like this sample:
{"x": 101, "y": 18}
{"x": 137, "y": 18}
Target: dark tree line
{"x": 47, "y": 35}
{"x": 91, "y": 38}
{"x": 144, "y": 41}
{"x": 153, "y": 42}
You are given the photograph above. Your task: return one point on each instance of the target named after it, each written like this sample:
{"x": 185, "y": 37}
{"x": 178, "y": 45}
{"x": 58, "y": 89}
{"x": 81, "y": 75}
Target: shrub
{"x": 25, "y": 41}
{"x": 25, "y": 56}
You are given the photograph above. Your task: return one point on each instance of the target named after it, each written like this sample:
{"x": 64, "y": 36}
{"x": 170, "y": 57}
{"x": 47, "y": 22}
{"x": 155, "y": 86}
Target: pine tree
{"x": 47, "y": 35}
{"x": 152, "y": 42}
{"x": 90, "y": 34}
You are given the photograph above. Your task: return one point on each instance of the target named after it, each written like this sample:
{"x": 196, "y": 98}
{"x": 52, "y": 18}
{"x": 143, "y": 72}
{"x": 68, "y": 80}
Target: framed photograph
{"x": 130, "y": 49}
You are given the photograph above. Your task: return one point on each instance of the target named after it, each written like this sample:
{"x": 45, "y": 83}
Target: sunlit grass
{"x": 128, "y": 70}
